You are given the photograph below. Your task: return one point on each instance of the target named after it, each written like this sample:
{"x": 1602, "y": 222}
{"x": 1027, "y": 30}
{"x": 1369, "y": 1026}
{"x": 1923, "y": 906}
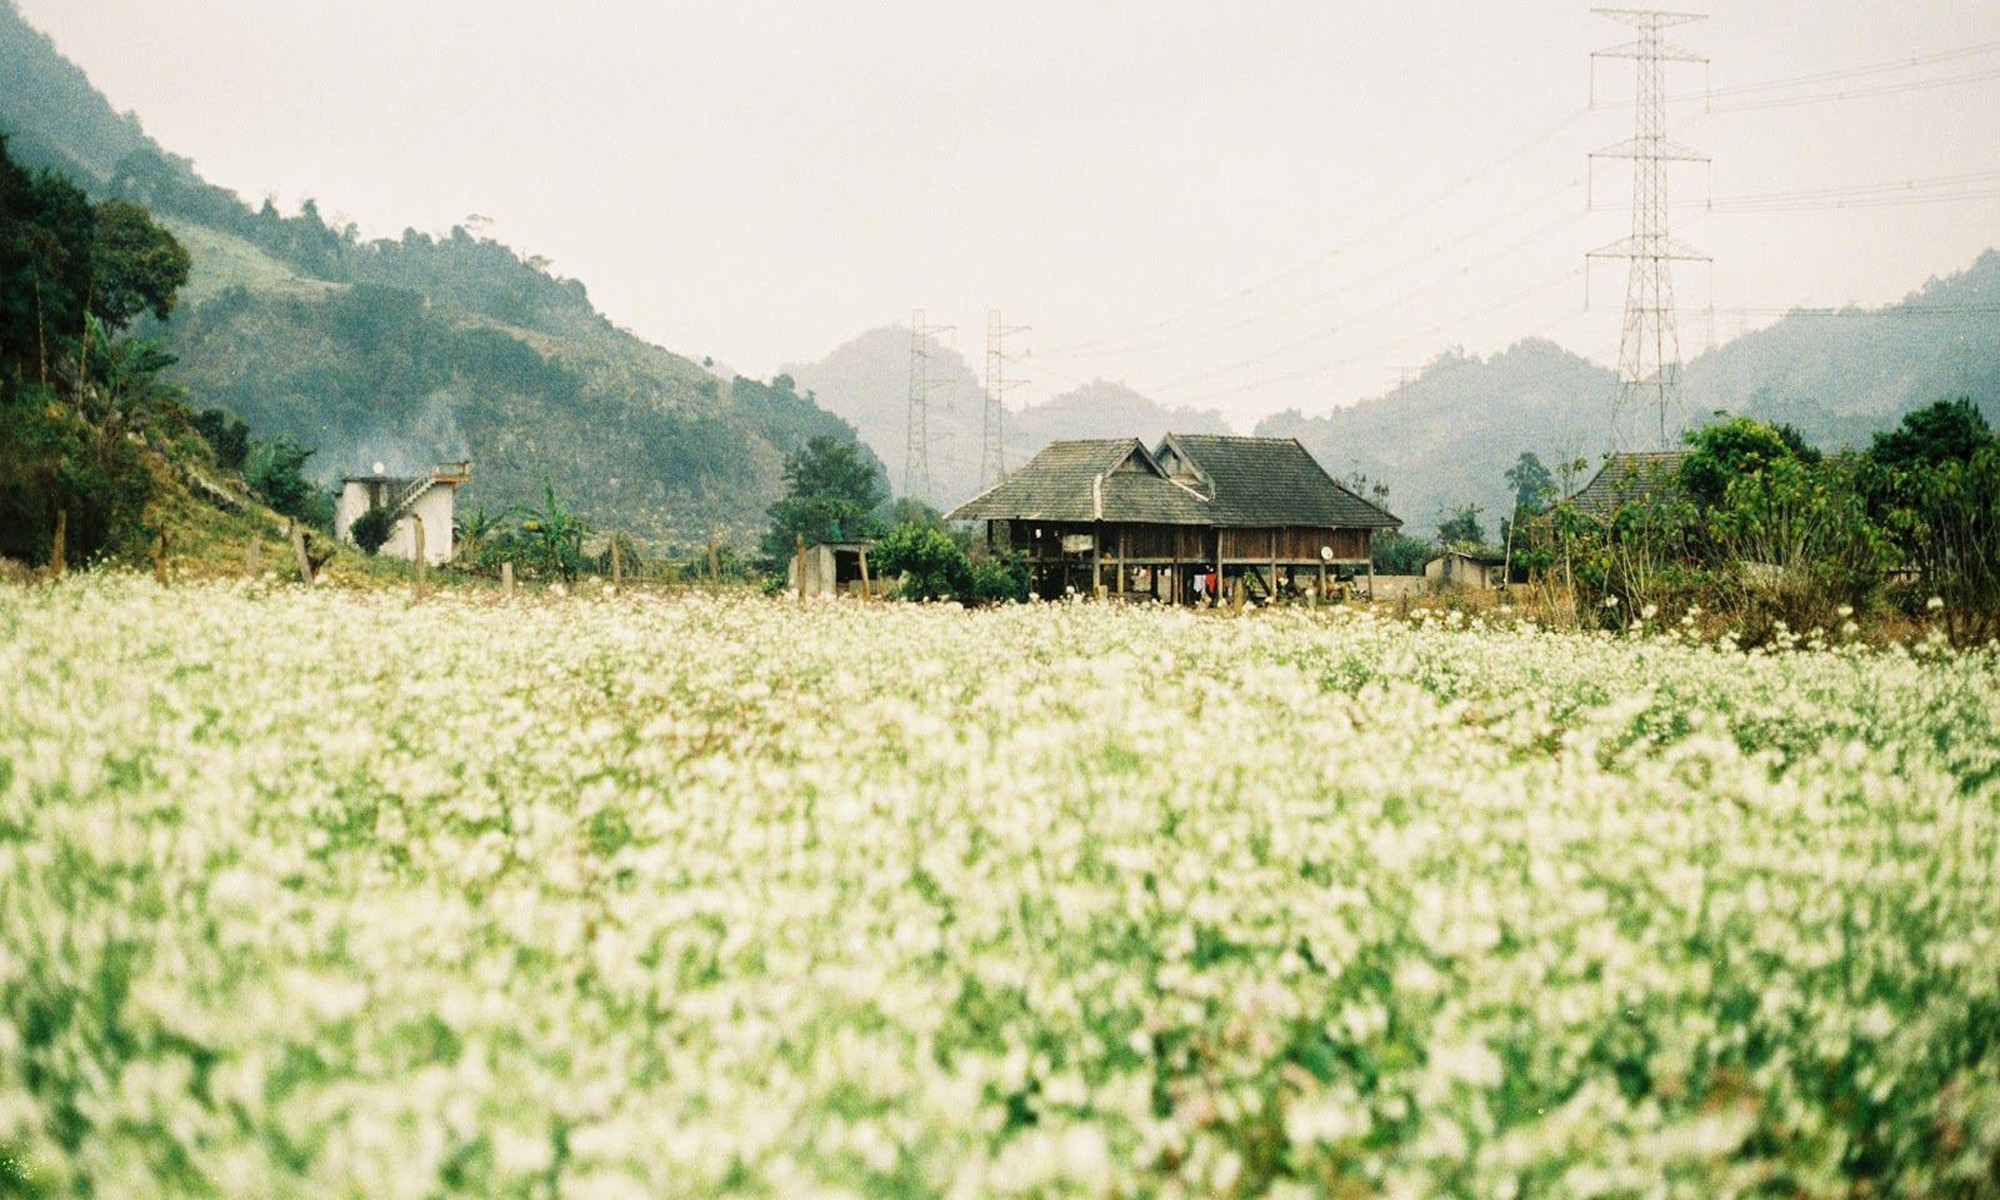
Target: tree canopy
{"x": 1532, "y": 482}
{"x": 1947, "y": 431}
{"x": 831, "y": 495}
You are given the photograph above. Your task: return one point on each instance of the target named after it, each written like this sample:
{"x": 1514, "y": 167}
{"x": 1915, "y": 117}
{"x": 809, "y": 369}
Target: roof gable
{"x": 1101, "y": 479}
{"x": 1259, "y": 482}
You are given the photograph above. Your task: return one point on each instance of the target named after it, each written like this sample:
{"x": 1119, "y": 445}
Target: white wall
{"x": 436, "y": 507}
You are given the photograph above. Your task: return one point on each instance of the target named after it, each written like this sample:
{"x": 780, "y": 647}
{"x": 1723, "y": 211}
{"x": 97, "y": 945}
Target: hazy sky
{"x": 1259, "y": 205}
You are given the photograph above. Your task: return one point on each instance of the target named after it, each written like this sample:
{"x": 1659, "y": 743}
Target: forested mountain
{"x": 866, "y": 381}
{"x": 420, "y": 348}
{"x": 1448, "y": 436}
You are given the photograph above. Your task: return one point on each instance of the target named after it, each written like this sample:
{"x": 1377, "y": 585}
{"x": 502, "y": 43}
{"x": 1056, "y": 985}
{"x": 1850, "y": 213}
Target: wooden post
{"x": 417, "y": 532}
{"x": 299, "y": 553}
{"x": 1369, "y": 546}
{"x": 253, "y": 554}
{"x": 1174, "y": 572}
{"x": 1322, "y": 581}
{"x": 617, "y": 563}
{"x": 799, "y": 540}
{"x": 714, "y": 568}
{"x": 507, "y": 577}
{"x": 1221, "y": 581}
{"x": 160, "y": 559}
{"x": 1121, "y": 561}
{"x": 1097, "y": 561}
{"x": 1274, "y": 567}
{"x": 867, "y": 592}
{"x": 58, "y": 546}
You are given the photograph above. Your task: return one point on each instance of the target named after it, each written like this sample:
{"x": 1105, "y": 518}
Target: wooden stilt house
{"x": 1194, "y": 518}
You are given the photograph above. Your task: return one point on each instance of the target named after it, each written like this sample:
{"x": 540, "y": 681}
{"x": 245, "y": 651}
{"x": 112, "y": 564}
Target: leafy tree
{"x": 275, "y": 471}
{"x": 1794, "y": 541}
{"x": 1401, "y": 554}
{"x": 225, "y": 434}
{"x": 831, "y": 494}
{"x": 930, "y": 563}
{"x": 78, "y": 404}
{"x": 372, "y": 529}
{"x": 1462, "y": 527}
{"x": 1534, "y": 485}
{"x": 136, "y": 266}
{"x": 1732, "y": 448}
{"x": 1947, "y": 431}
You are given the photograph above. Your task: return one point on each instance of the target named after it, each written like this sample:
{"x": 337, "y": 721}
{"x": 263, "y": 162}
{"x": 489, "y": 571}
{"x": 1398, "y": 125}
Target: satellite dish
{"x": 1326, "y": 553}
{"x": 379, "y": 468}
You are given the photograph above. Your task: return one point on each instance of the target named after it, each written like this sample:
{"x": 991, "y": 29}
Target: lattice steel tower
{"x": 917, "y": 434}
{"x": 1649, "y": 352}
{"x": 993, "y": 450}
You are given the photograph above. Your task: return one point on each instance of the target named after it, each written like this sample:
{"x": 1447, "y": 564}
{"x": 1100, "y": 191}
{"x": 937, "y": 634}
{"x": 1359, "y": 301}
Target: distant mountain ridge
{"x": 419, "y": 349}
{"x": 1448, "y": 436}
{"x": 866, "y": 381}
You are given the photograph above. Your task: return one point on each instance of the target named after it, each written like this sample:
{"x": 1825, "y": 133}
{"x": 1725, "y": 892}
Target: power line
{"x": 1901, "y": 64}
{"x": 1346, "y": 289}
{"x": 1432, "y": 331}
{"x": 1376, "y": 311}
{"x": 1372, "y": 231}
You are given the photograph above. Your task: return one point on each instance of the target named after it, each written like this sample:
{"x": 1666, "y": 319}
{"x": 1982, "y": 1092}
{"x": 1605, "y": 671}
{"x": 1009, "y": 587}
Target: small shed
{"x": 830, "y": 569}
{"x": 427, "y": 502}
{"x": 1466, "y": 568}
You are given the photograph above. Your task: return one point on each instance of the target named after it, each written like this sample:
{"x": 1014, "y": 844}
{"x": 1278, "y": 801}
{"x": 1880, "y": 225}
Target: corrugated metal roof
{"x": 1245, "y": 483}
{"x": 1631, "y": 477}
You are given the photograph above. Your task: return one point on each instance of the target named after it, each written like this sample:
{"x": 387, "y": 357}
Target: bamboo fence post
{"x": 58, "y": 547}
{"x": 299, "y": 552}
{"x": 714, "y": 567}
{"x": 507, "y": 577}
{"x": 800, "y": 560}
{"x": 867, "y": 590}
{"x": 617, "y": 563}
{"x": 253, "y": 554}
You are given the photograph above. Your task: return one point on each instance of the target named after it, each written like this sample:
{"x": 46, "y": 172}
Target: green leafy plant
{"x": 372, "y": 529}
{"x": 930, "y": 563}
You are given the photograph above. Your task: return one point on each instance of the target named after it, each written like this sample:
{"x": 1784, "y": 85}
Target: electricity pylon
{"x": 993, "y": 450}
{"x": 1649, "y": 351}
{"x": 917, "y": 434}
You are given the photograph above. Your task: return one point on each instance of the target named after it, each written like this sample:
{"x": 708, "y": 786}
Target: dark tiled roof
{"x": 1631, "y": 477}
{"x": 1260, "y": 482}
{"x": 1244, "y": 483}
{"x": 1079, "y": 481}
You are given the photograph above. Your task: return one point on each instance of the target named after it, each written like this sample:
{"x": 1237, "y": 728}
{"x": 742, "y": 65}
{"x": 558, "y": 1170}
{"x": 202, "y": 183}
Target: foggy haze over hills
{"x": 1411, "y": 311}
{"x": 1366, "y": 187}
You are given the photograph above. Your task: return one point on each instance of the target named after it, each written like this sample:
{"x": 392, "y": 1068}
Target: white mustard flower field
{"x": 332, "y": 894}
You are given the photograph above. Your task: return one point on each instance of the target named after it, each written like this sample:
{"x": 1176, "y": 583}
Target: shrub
{"x": 999, "y": 579}
{"x": 372, "y": 528}
{"x": 930, "y": 563}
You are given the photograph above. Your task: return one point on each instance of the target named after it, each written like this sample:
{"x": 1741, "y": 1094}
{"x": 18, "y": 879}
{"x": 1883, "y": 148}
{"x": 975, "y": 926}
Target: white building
{"x": 425, "y": 501}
